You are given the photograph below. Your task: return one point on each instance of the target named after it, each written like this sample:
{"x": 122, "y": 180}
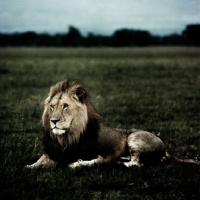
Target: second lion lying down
{"x": 73, "y": 134}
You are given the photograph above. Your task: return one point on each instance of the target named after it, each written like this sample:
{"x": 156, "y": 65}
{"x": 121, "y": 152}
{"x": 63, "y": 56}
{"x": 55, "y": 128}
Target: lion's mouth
{"x": 58, "y": 131}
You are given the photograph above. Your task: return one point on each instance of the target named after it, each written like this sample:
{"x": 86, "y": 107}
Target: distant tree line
{"x": 190, "y": 36}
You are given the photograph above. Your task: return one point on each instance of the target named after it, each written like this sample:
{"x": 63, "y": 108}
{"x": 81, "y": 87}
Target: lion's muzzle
{"x": 57, "y": 128}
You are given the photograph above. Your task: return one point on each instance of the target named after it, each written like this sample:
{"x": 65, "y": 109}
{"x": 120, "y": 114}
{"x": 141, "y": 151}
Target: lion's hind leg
{"x": 134, "y": 146}
{"x": 145, "y": 148}
{"x": 134, "y": 161}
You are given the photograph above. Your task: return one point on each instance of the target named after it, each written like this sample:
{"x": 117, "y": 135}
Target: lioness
{"x": 73, "y": 134}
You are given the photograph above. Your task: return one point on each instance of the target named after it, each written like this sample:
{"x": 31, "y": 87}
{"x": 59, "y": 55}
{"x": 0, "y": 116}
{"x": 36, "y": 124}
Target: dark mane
{"x": 65, "y": 86}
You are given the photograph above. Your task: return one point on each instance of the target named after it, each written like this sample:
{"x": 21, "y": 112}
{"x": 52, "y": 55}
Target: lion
{"x": 74, "y": 136}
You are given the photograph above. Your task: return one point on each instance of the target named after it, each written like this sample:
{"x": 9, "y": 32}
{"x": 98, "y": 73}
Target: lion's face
{"x": 64, "y": 112}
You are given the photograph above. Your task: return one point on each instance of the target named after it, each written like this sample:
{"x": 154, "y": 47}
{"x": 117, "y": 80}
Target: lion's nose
{"x": 55, "y": 120}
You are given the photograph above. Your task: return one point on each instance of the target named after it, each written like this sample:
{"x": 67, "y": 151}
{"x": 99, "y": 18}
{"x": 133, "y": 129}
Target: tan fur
{"x": 74, "y": 136}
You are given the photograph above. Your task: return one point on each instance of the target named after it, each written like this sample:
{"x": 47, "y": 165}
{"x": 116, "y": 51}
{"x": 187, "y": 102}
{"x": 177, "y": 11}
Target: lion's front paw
{"x": 43, "y": 161}
{"x": 72, "y": 166}
{"x": 75, "y": 164}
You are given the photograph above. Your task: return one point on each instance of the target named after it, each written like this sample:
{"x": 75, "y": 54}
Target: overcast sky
{"x": 98, "y": 16}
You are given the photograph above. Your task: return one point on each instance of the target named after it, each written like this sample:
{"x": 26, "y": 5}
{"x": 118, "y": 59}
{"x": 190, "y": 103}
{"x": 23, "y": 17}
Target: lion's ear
{"x": 81, "y": 94}
{"x": 78, "y": 93}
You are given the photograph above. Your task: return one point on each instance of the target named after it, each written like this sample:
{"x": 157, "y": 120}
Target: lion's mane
{"x": 68, "y": 145}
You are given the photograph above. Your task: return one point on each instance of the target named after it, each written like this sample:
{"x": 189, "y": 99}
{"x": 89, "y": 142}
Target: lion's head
{"x": 68, "y": 109}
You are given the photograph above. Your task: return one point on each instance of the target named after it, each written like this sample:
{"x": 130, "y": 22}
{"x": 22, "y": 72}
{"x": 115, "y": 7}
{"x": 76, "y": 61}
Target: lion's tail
{"x": 168, "y": 159}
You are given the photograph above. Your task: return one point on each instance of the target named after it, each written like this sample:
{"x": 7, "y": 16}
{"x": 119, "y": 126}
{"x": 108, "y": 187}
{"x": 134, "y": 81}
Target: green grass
{"x": 154, "y": 89}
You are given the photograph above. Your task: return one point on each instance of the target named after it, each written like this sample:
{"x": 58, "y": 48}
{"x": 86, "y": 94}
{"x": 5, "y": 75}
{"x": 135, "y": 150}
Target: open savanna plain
{"x": 155, "y": 89}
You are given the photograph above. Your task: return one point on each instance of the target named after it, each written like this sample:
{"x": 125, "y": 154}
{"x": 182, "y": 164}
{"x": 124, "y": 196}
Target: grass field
{"x": 154, "y": 89}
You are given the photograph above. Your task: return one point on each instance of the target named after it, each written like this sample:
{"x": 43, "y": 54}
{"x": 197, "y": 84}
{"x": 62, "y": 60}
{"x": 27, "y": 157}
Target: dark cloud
{"x": 104, "y": 17}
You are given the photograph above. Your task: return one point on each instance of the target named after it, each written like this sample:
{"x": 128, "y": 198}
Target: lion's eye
{"x": 51, "y": 107}
{"x": 65, "y": 105}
